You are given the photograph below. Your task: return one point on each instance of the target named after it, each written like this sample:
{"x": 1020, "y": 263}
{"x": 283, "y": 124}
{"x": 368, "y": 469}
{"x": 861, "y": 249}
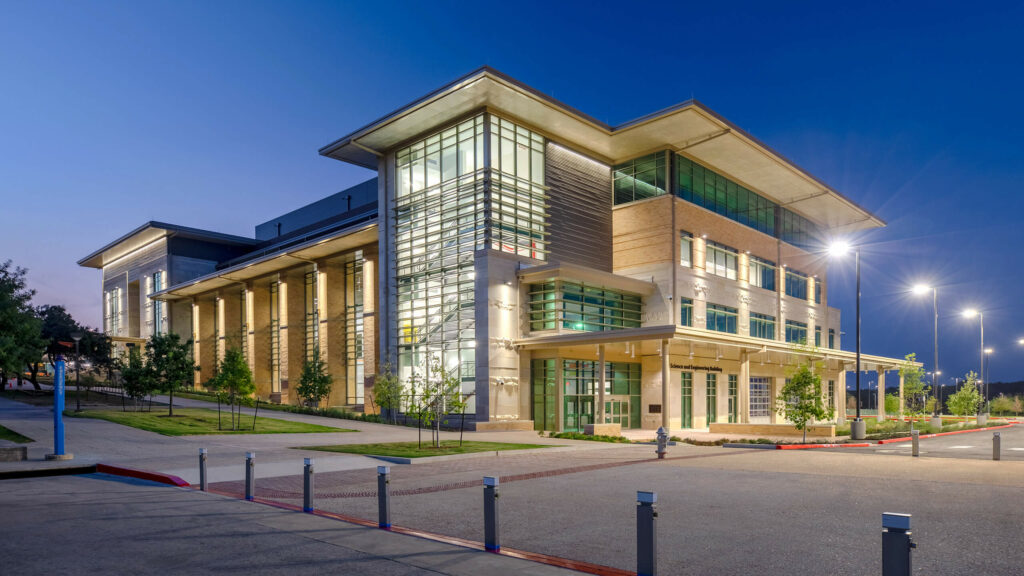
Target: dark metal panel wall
{"x": 580, "y": 212}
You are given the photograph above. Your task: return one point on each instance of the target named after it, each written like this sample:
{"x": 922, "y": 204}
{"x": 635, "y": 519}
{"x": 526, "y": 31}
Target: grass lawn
{"x": 8, "y": 434}
{"x": 410, "y": 450}
{"x": 188, "y": 421}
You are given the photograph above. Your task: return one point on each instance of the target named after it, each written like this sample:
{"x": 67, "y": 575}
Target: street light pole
{"x": 76, "y": 336}
{"x": 857, "y": 427}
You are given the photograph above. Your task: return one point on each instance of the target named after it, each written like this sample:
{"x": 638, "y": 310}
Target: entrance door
{"x": 579, "y": 411}
{"x": 760, "y": 400}
{"x": 617, "y": 411}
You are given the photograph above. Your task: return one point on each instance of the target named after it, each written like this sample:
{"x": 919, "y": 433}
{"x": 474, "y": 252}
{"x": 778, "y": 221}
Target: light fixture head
{"x": 921, "y": 289}
{"x": 839, "y": 248}
{"x": 989, "y": 350}
{"x": 970, "y": 313}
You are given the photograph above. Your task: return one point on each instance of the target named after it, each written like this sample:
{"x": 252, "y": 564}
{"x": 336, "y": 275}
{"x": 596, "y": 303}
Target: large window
{"x": 734, "y": 399}
{"x": 720, "y": 260}
{"x": 685, "y": 249}
{"x": 312, "y": 316}
{"x": 703, "y": 187}
{"x": 275, "y": 338}
{"x": 760, "y": 399}
{"x": 354, "y": 328}
{"x": 762, "y": 326}
{"x": 158, "y": 305}
{"x": 831, "y": 338}
{"x": 711, "y": 398}
{"x": 545, "y": 394}
{"x": 640, "y": 178}
{"x": 686, "y": 312}
{"x": 113, "y": 306}
{"x": 722, "y": 318}
{"x": 687, "y": 399}
{"x": 582, "y": 307}
{"x": 796, "y": 284}
{"x": 762, "y": 273}
{"x": 817, "y": 336}
{"x": 817, "y": 291}
{"x": 796, "y": 332}
{"x": 580, "y": 380}
{"x": 517, "y": 208}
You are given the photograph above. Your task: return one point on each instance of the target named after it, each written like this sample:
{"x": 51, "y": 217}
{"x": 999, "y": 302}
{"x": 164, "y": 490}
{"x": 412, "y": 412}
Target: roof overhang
{"x": 273, "y": 262}
{"x": 590, "y": 276}
{"x": 151, "y": 232}
{"x": 689, "y": 128}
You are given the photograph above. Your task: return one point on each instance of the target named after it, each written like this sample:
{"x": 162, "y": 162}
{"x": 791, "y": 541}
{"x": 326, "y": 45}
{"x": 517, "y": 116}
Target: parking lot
{"x": 969, "y": 445}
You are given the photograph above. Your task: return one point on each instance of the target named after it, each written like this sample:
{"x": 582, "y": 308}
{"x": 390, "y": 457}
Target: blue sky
{"x": 210, "y": 115}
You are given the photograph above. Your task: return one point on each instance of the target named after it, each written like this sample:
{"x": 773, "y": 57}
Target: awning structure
{"x": 690, "y": 128}
{"x": 275, "y": 261}
{"x": 574, "y": 273}
{"x": 682, "y": 335}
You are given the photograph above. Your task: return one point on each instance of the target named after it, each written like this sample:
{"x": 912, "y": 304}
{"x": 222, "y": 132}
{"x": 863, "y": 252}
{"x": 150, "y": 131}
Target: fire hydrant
{"x": 662, "y": 442}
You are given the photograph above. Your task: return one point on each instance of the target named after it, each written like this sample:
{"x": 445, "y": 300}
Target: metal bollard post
{"x": 896, "y": 544}
{"x": 202, "y": 469}
{"x": 383, "y": 499}
{"x": 915, "y": 442}
{"x": 997, "y": 442}
{"x": 307, "y": 486}
{"x": 492, "y": 537}
{"x": 250, "y": 475}
{"x": 646, "y": 534}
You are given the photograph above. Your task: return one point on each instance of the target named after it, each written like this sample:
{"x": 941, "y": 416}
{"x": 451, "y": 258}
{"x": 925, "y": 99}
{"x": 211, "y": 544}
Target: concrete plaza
{"x": 721, "y": 510}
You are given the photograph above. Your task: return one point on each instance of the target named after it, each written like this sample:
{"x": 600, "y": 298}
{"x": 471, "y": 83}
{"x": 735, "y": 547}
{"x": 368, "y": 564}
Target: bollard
{"x": 662, "y": 443}
{"x": 307, "y": 486}
{"x": 202, "y": 469}
{"x": 492, "y": 538}
{"x": 250, "y": 475}
{"x": 996, "y": 446}
{"x": 383, "y": 499}
{"x": 915, "y": 441}
{"x": 896, "y": 544}
{"x": 646, "y": 534}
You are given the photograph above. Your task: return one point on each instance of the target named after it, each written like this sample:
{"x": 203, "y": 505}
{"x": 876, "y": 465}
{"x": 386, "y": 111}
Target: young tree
{"x": 1018, "y": 405}
{"x": 233, "y": 380}
{"x": 1002, "y": 404}
{"x": 892, "y": 404}
{"x": 170, "y": 360}
{"x": 21, "y": 341}
{"x": 136, "y": 375}
{"x": 314, "y": 383}
{"x": 388, "y": 392}
{"x": 967, "y": 399}
{"x": 801, "y": 400}
{"x": 915, "y": 393}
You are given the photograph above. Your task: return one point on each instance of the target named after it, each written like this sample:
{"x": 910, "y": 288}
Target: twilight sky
{"x": 210, "y": 115}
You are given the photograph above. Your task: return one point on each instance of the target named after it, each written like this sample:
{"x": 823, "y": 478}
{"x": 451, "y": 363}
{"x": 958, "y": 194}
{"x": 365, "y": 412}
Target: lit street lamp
{"x": 920, "y": 290}
{"x": 76, "y": 336}
{"x": 971, "y": 313}
{"x": 858, "y": 429}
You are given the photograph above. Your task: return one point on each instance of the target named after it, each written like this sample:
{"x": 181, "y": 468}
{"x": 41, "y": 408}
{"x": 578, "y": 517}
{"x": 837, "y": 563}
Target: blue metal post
{"x": 58, "y": 409}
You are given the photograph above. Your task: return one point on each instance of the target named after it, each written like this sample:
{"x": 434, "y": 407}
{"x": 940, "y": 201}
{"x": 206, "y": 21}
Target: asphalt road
{"x": 969, "y": 445}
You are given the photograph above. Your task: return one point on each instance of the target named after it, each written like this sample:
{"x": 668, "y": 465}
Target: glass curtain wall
{"x": 574, "y": 306}
{"x": 354, "y": 329}
{"x": 712, "y": 397}
{"x": 641, "y": 178}
{"x": 158, "y": 305}
{"x": 275, "y": 338}
{"x": 545, "y": 395}
{"x": 312, "y": 315}
{"x": 580, "y": 382}
{"x": 244, "y": 328}
{"x": 517, "y": 191}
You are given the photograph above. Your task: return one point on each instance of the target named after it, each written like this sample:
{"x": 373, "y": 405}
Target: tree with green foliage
{"x": 136, "y": 376}
{"x": 232, "y": 381}
{"x": 170, "y": 360}
{"x": 915, "y": 393}
{"x": 892, "y": 404}
{"x": 434, "y": 396}
{"x": 388, "y": 392}
{"x": 1002, "y": 404}
{"x": 802, "y": 399}
{"x": 21, "y": 341}
{"x": 967, "y": 400}
{"x": 314, "y": 383}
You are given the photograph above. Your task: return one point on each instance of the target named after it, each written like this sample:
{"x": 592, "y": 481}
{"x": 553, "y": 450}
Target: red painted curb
{"x": 909, "y": 438}
{"x": 577, "y": 565}
{"x": 141, "y": 474}
{"x": 809, "y": 446}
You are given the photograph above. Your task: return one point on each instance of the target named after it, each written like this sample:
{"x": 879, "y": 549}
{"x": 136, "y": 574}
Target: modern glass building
{"x": 574, "y": 275}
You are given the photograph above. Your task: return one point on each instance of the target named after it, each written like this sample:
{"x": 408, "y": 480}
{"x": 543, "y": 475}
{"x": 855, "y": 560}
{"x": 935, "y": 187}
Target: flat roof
{"x": 690, "y": 128}
{"x": 152, "y": 231}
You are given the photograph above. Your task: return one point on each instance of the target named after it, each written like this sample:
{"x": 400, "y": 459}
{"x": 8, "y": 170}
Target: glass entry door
{"x": 579, "y": 411}
{"x": 760, "y": 400}
{"x": 617, "y": 411}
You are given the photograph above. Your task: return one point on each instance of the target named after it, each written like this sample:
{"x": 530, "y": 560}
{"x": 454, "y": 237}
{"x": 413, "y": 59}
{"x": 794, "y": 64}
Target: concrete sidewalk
{"x": 99, "y": 524}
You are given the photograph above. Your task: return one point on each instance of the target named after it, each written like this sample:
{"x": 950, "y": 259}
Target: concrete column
{"x": 722, "y": 402}
{"x": 881, "y": 394}
{"x": 260, "y": 338}
{"x": 700, "y": 400}
{"x": 602, "y": 381}
{"x": 901, "y": 396}
{"x": 665, "y": 383}
{"x": 293, "y": 332}
{"x": 283, "y": 341}
{"x": 744, "y": 389}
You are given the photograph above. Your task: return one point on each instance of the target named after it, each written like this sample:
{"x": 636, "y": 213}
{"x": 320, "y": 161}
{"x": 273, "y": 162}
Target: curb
{"x": 141, "y": 475}
{"x": 754, "y": 446}
{"x": 922, "y": 436}
{"x": 446, "y": 457}
{"x": 811, "y": 446}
